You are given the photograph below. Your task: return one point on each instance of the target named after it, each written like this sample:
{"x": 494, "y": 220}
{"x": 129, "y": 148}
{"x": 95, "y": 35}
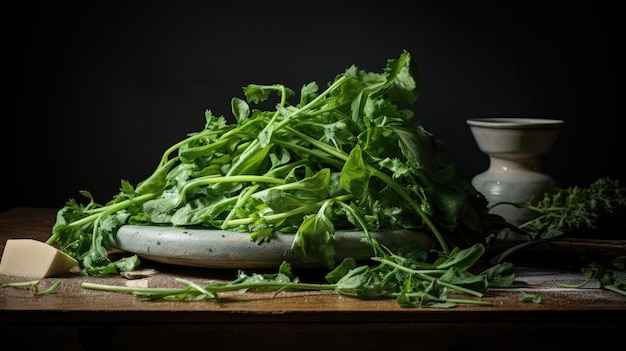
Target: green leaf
{"x": 240, "y": 109}
{"x": 127, "y": 264}
{"x": 334, "y": 276}
{"x": 314, "y": 239}
{"x": 501, "y": 275}
{"x": 258, "y": 93}
{"x": 462, "y": 259}
{"x": 404, "y": 77}
{"x": 354, "y": 176}
{"x": 464, "y": 279}
{"x": 526, "y": 297}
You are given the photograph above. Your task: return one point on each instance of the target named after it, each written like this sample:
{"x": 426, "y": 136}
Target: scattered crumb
{"x": 139, "y": 274}
{"x": 137, "y": 283}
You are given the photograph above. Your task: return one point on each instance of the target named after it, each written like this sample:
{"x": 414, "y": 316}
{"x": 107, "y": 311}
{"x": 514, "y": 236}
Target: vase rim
{"x": 517, "y": 122}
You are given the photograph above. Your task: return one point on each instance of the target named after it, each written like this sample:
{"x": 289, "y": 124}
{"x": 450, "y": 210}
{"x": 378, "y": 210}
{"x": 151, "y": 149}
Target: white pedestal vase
{"x": 515, "y": 147}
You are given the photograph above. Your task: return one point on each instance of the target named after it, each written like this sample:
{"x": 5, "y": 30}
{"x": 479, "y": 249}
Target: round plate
{"x": 234, "y": 250}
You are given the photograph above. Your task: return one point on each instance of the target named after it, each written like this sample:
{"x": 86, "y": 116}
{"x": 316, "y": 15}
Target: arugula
{"x": 605, "y": 274}
{"x": 348, "y": 157}
{"x": 412, "y": 283}
{"x": 530, "y": 297}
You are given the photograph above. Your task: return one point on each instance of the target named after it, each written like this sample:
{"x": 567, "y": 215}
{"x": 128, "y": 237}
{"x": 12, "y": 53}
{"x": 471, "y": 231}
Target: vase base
{"x": 513, "y": 189}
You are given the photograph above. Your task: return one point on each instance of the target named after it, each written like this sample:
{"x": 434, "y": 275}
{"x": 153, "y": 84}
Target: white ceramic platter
{"x": 235, "y": 250}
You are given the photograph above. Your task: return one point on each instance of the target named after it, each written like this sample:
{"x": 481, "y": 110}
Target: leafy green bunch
{"x": 348, "y": 157}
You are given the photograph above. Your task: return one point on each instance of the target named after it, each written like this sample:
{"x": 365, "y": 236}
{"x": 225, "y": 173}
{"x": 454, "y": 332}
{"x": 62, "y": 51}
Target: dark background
{"x": 100, "y": 90}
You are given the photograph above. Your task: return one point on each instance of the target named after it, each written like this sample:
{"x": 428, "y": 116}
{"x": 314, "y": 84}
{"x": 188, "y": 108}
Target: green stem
{"x": 171, "y": 149}
{"x": 243, "y": 197}
{"x": 615, "y": 289}
{"x": 373, "y": 244}
{"x": 210, "y": 288}
{"x": 313, "y": 102}
{"x": 51, "y": 289}
{"x": 469, "y": 302}
{"x": 317, "y": 153}
{"x": 287, "y": 214}
{"x": 27, "y": 284}
{"x": 214, "y": 179}
{"x": 106, "y": 210}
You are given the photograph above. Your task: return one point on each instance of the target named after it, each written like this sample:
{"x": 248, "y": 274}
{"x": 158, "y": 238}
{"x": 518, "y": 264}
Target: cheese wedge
{"x": 34, "y": 259}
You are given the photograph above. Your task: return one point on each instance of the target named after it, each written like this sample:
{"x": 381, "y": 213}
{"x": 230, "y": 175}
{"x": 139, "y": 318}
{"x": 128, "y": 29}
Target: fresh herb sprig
{"x": 597, "y": 210}
{"x": 348, "y": 157}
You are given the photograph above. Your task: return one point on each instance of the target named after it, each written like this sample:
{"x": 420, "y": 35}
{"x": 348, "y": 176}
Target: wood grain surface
{"x": 78, "y": 316}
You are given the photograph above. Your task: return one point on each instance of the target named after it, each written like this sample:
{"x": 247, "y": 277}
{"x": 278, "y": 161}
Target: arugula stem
{"x": 317, "y": 153}
{"x": 51, "y": 289}
{"x": 185, "y": 141}
{"x": 197, "y": 287}
{"x": 337, "y": 83}
{"x": 194, "y": 152}
{"x": 214, "y": 179}
{"x": 209, "y": 289}
{"x": 243, "y": 197}
{"x": 171, "y": 149}
{"x": 27, "y": 284}
{"x": 469, "y": 302}
{"x": 615, "y": 289}
{"x": 33, "y": 286}
{"x": 373, "y": 243}
{"x": 287, "y": 214}
{"x": 106, "y": 210}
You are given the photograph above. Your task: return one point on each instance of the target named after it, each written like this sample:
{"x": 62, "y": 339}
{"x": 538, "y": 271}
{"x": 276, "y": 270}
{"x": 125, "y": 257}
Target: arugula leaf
{"x": 314, "y": 238}
{"x": 527, "y": 297}
{"x": 605, "y": 274}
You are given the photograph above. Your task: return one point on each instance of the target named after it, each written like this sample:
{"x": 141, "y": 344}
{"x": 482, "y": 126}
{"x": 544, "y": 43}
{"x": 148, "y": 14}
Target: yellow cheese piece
{"x": 34, "y": 259}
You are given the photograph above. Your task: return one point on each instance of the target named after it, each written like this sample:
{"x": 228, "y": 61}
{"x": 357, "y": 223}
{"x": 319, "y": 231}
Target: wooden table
{"x": 74, "y": 318}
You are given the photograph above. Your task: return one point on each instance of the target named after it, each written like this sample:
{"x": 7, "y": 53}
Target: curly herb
{"x": 596, "y": 211}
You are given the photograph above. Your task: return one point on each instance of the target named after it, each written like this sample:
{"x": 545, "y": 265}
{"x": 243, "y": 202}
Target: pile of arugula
{"x": 349, "y": 157}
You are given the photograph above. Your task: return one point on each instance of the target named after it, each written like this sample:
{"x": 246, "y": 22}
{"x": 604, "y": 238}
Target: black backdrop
{"x": 99, "y": 91}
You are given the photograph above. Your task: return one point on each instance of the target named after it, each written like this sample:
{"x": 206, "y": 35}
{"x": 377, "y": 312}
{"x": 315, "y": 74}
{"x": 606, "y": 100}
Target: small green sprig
{"x": 528, "y": 297}
{"x": 594, "y": 210}
{"x": 605, "y": 274}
